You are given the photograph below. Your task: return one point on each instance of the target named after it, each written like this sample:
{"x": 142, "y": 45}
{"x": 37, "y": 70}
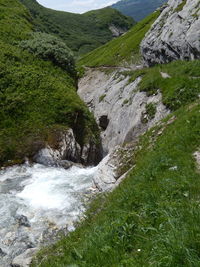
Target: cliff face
{"x": 175, "y": 34}
{"x": 119, "y": 107}
{"x": 64, "y": 151}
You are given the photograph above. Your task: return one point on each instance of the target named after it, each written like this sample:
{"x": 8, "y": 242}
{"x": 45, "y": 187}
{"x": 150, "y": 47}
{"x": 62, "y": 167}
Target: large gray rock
{"x": 65, "y": 151}
{"x": 175, "y": 34}
{"x": 116, "y": 30}
{"x": 66, "y": 147}
{"x": 106, "y": 176}
{"x": 118, "y": 106}
{"x": 197, "y": 157}
{"x": 115, "y": 167}
{"x": 24, "y": 260}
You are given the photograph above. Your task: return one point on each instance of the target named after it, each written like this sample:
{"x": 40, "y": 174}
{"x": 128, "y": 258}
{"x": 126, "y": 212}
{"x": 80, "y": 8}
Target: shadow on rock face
{"x": 103, "y": 122}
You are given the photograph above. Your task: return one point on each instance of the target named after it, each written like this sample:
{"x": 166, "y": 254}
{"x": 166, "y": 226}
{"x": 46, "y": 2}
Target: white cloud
{"x": 76, "y": 6}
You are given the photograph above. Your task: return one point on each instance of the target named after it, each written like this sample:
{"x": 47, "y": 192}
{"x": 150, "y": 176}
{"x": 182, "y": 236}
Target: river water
{"x": 37, "y": 203}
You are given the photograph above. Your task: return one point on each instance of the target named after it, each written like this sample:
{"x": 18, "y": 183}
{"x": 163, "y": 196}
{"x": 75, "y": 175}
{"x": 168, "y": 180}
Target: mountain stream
{"x": 37, "y": 203}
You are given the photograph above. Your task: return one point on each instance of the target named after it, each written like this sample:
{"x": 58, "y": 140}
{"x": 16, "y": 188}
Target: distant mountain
{"x": 138, "y": 9}
{"x": 81, "y": 32}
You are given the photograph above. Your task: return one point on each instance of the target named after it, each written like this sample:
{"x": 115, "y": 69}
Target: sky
{"x": 76, "y": 6}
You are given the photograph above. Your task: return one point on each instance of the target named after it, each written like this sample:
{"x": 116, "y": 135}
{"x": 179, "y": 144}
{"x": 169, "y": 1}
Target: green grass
{"x": 153, "y": 217}
{"x": 122, "y": 49}
{"x": 181, "y": 6}
{"x": 82, "y": 33}
{"x": 151, "y": 110}
{"x": 35, "y": 95}
{"x": 14, "y": 21}
{"x": 101, "y": 98}
{"x": 182, "y": 88}
{"x": 149, "y": 113}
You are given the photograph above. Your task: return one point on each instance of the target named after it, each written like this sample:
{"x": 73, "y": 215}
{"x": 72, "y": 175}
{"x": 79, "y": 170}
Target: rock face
{"x": 65, "y": 151}
{"x": 24, "y": 260}
{"x": 197, "y": 157}
{"x": 114, "y": 167}
{"x": 175, "y": 34}
{"x": 118, "y": 106}
{"x": 116, "y": 31}
{"x": 117, "y": 164}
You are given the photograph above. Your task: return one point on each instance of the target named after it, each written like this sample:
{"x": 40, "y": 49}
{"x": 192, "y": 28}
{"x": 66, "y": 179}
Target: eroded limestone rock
{"x": 175, "y": 34}
{"x": 112, "y": 97}
{"x": 114, "y": 167}
{"x": 197, "y": 157}
{"x": 65, "y": 151}
{"x": 24, "y": 260}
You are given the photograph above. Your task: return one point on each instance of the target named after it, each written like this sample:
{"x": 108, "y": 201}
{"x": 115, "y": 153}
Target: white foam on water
{"x": 53, "y": 188}
{"x": 45, "y": 195}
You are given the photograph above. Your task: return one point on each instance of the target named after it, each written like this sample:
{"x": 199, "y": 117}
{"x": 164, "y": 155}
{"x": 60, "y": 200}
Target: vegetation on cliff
{"x": 35, "y": 95}
{"x": 82, "y": 33}
{"x": 180, "y": 86}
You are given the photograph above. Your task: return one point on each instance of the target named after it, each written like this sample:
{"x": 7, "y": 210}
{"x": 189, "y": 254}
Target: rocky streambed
{"x": 36, "y": 204}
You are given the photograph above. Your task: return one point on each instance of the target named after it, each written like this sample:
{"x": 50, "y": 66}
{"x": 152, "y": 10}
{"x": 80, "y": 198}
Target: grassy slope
{"x": 153, "y": 217}
{"x": 181, "y": 88}
{"x": 138, "y": 9}
{"x": 34, "y": 95}
{"x": 124, "y": 48}
{"x": 82, "y": 33}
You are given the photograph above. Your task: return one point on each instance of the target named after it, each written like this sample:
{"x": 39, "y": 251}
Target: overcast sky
{"x": 76, "y": 6}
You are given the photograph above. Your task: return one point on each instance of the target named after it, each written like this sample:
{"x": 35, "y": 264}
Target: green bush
{"x": 49, "y": 47}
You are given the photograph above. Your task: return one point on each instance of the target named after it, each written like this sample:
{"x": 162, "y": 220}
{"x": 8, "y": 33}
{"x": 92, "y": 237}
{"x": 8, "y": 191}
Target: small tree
{"x": 49, "y": 47}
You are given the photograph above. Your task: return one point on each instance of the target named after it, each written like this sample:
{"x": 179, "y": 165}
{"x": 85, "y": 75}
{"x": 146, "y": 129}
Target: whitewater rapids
{"x": 37, "y": 203}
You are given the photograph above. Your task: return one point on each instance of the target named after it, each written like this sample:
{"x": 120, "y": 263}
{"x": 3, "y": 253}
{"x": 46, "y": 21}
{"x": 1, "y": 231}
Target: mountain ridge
{"x": 138, "y": 9}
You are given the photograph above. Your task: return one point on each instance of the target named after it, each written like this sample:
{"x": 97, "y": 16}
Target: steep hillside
{"x": 124, "y": 49}
{"x": 82, "y": 33}
{"x": 37, "y": 98}
{"x": 138, "y": 9}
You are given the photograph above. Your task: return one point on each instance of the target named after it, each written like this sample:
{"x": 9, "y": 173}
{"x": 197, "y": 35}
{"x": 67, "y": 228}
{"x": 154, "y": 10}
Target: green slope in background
{"x": 82, "y": 33}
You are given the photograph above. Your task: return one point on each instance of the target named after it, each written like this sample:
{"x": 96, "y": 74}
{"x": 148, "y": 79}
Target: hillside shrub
{"x": 49, "y": 47}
